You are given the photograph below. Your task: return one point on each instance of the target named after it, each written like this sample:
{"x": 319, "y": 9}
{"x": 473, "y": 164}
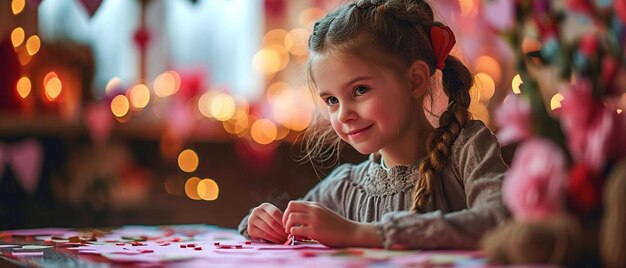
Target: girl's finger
{"x": 276, "y": 214}
{"x": 296, "y": 218}
{"x": 294, "y": 206}
{"x": 301, "y": 230}
{"x": 260, "y": 234}
{"x": 263, "y": 226}
{"x": 271, "y": 222}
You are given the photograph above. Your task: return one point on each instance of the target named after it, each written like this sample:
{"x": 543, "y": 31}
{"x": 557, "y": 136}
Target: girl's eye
{"x": 331, "y": 101}
{"x": 360, "y": 90}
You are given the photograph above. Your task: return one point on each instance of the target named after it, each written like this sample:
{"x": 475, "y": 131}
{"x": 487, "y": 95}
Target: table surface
{"x": 197, "y": 246}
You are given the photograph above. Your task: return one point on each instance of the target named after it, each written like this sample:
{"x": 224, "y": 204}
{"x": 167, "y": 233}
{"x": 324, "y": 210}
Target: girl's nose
{"x": 346, "y": 114}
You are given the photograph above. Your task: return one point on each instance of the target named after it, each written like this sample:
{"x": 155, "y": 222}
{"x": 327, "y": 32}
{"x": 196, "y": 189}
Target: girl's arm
{"x": 477, "y": 160}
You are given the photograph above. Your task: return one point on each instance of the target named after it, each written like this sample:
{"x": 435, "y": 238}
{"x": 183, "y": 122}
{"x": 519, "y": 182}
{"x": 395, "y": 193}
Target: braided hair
{"x": 399, "y": 28}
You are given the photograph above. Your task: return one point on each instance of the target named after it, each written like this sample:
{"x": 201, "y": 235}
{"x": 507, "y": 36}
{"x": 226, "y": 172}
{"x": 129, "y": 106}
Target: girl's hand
{"x": 265, "y": 223}
{"x": 313, "y": 220}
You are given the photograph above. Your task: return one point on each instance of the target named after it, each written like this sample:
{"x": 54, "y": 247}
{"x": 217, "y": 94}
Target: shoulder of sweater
{"x": 348, "y": 172}
{"x": 474, "y": 130}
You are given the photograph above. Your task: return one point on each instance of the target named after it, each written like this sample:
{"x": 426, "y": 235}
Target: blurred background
{"x": 179, "y": 111}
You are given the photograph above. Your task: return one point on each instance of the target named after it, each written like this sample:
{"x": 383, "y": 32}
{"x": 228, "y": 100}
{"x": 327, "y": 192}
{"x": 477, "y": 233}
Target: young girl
{"x": 373, "y": 63}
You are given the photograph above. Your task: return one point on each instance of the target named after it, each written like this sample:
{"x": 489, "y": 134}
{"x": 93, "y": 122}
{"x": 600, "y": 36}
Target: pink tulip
{"x": 534, "y": 187}
{"x": 513, "y": 117}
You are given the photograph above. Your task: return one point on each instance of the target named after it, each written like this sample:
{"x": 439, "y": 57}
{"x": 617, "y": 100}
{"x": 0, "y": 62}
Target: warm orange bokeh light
{"x": 17, "y": 36}
{"x": 166, "y": 84}
{"x": 24, "y": 87}
{"x": 53, "y": 88}
{"x": 139, "y": 96}
{"x": 191, "y": 188}
{"x": 490, "y": 66}
{"x": 275, "y": 37}
{"x": 120, "y": 106}
{"x": 267, "y": 61}
{"x": 263, "y": 131}
{"x": 33, "y": 44}
{"x": 188, "y": 161}
{"x": 223, "y": 107}
{"x": 485, "y": 85}
{"x": 208, "y": 189}
{"x": 308, "y": 16}
{"x": 296, "y": 41}
{"x": 17, "y": 6}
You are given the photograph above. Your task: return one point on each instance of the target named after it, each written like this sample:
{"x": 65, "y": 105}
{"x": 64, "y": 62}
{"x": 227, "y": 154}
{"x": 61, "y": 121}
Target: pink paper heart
{"x": 25, "y": 160}
{"x": 99, "y": 121}
{"x": 91, "y": 6}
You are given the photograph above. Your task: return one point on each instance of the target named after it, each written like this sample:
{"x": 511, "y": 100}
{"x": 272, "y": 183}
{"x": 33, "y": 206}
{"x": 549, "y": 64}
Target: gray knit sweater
{"x": 466, "y": 201}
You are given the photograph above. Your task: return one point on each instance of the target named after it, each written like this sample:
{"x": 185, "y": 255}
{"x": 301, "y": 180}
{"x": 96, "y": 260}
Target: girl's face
{"x": 370, "y": 104}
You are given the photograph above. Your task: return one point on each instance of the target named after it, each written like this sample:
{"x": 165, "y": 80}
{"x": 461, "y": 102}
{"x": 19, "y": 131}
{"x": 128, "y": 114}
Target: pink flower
{"x": 513, "y": 117}
{"x": 593, "y": 130}
{"x": 534, "y": 187}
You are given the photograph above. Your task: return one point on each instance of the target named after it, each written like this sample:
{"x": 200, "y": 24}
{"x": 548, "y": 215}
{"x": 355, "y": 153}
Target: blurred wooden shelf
{"x": 138, "y": 128}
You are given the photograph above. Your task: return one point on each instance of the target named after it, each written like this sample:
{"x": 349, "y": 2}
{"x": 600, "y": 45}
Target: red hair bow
{"x": 442, "y": 40}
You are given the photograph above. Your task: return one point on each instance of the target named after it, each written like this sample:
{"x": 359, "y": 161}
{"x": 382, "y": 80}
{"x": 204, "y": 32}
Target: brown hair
{"x": 400, "y": 28}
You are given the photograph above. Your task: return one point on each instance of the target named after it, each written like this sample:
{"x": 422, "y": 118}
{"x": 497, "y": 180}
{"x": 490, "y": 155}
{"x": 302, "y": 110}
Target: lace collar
{"x": 398, "y": 179}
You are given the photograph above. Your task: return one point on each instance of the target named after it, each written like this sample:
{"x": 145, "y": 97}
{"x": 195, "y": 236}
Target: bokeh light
{"x": 120, "y": 106}
{"x": 308, "y": 16}
{"x": 24, "y": 87}
{"x": 485, "y": 85}
{"x": 17, "y": 36}
{"x": 555, "y": 101}
{"x": 174, "y": 185}
{"x": 166, "y": 84}
{"x": 191, "y": 188}
{"x": 17, "y": 6}
{"x": 516, "y": 84}
{"x": 33, "y": 44}
{"x": 139, "y": 96}
{"x": 112, "y": 85}
{"x": 52, "y": 86}
{"x": 296, "y": 41}
{"x": 490, "y": 66}
{"x": 275, "y": 37}
{"x": 263, "y": 131}
{"x": 208, "y": 189}
{"x": 266, "y": 61}
{"x": 188, "y": 160}
{"x": 223, "y": 107}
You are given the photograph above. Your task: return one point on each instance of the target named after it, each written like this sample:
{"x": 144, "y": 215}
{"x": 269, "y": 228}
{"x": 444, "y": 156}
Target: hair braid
{"x": 457, "y": 81}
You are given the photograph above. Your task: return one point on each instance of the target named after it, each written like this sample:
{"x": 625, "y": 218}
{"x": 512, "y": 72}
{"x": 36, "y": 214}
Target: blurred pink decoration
{"x": 620, "y": 9}
{"x": 91, "y": 6}
{"x": 192, "y": 82}
{"x": 513, "y": 117}
{"x": 142, "y": 38}
{"x": 448, "y": 12}
{"x": 534, "y": 187}
{"x": 275, "y": 8}
{"x": 582, "y": 6}
{"x": 25, "y": 160}
{"x": 592, "y": 129}
{"x": 99, "y": 120}
{"x": 179, "y": 119}
{"x": 498, "y": 13}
